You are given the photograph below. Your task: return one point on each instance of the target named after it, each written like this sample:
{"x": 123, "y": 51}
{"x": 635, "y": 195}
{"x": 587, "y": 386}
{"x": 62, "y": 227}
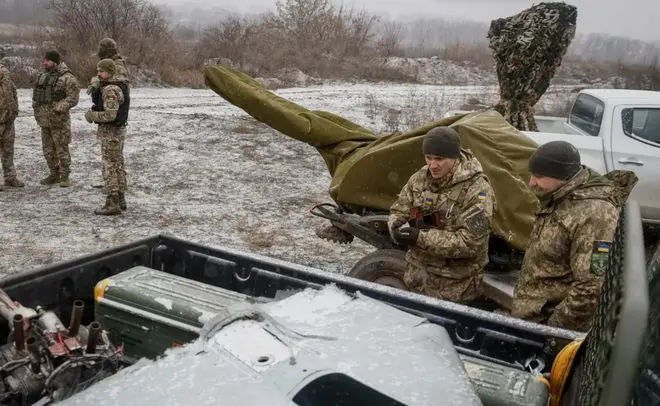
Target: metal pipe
{"x": 92, "y": 337}
{"x": 33, "y": 348}
{"x": 76, "y": 317}
{"x": 19, "y": 332}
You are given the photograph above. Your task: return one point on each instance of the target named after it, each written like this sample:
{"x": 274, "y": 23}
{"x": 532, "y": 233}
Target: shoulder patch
{"x": 600, "y": 256}
{"x": 482, "y": 195}
{"x": 478, "y": 223}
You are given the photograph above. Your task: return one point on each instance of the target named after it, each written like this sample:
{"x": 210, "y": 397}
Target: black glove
{"x": 407, "y": 236}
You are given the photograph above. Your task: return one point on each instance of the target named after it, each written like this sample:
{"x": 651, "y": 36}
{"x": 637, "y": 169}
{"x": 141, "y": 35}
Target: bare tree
{"x": 389, "y": 43}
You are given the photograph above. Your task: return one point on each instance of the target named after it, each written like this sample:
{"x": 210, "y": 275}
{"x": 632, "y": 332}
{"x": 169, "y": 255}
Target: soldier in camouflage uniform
{"x": 449, "y": 205}
{"x": 56, "y": 92}
{"x": 110, "y": 112}
{"x": 8, "y": 113}
{"x": 108, "y": 49}
{"x": 562, "y": 271}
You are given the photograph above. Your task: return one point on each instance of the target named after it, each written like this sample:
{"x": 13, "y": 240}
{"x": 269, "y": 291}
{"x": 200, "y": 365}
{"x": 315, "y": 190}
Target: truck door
{"x": 635, "y": 145}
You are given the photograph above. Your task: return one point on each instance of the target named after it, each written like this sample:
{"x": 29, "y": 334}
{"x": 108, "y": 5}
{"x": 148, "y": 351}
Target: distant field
{"x": 18, "y": 30}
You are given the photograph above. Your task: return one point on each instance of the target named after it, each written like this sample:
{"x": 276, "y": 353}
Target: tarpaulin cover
{"x": 368, "y": 170}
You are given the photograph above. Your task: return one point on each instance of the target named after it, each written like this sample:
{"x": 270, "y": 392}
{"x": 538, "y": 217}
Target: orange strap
{"x": 561, "y": 370}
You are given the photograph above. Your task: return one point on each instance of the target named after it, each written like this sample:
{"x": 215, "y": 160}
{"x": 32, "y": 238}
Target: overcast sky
{"x": 630, "y": 18}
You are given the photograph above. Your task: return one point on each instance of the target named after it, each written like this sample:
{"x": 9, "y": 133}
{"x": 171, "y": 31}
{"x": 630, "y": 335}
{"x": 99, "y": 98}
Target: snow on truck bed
{"x": 201, "y": 169}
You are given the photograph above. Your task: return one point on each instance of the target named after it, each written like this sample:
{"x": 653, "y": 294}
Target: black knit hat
{"x": 53, "y": 56}
{"x": 555, "y": 159}
{"x": 442, "y": 141}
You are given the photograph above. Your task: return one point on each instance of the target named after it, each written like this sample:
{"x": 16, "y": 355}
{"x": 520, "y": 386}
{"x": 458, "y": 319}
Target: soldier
{"x": 8, "y": 113}
{"x": 450, "y": 204}
{"x": 56, "y": 92}
{"x": 108, "y": 49}
{"x": 111, "y": 115}
{"x": 562, "y": 271}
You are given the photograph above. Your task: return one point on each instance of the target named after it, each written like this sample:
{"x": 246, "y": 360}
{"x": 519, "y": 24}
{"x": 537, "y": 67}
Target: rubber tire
{"x": 384, "y": 266}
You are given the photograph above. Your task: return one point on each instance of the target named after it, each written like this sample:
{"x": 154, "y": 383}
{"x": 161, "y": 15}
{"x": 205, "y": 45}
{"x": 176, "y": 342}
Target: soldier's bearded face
{"x": 544, "y": 184}
{"x": 48, "y": 64}
{"x": 439, "y": 166}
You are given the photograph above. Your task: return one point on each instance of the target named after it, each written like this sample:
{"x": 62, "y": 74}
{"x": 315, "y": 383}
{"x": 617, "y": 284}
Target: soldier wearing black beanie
{"x": 442, "y": 141}
{"x": 443, "y": 217}
{"x": 555, "y": 159}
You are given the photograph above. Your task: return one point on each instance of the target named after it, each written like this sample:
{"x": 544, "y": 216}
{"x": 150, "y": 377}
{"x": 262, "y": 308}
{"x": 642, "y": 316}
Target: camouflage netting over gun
{"x": 528, "y": 48}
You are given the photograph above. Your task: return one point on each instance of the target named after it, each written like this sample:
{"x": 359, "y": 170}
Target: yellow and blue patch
{"x": 482, "y": 195}
{"x": 600, "y": 257}
{"x": 602, "y": 246}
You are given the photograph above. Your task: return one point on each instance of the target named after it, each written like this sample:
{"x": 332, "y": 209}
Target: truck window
{"x": 642, "y": 123}
{"x": 587, "y": 113}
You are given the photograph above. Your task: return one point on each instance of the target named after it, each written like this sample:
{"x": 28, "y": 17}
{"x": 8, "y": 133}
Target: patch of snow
{"x": 167, "y": 303}
{"x": 198, "y": 168}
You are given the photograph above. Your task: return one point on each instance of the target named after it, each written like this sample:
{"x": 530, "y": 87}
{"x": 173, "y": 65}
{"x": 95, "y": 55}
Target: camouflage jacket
{"x": 568, "y": 250}
{"x": 8, "y": 97}
{"x": 112, "y": 97}
{"x": 51, "y": 103}
{"x": 455, "y": 216}
{"x": 122, "y": 74}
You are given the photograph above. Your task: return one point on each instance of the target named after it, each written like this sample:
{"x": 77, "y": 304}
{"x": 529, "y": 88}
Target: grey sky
{"x": 630, "y": 18}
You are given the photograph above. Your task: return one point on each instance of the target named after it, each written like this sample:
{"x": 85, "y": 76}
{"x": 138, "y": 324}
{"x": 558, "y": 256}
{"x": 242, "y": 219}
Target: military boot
{"x": 64, "y": 180}
{"x": 51, "y": 179}
{"x": 335, "y": 234}
{"x": 122, "y": 200}
{"x": 13, "y": 182}
{"x": 111, "y": 206}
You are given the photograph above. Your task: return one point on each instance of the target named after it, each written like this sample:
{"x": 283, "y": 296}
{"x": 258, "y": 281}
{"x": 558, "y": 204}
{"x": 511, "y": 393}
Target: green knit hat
{"x": 107, "y": 65}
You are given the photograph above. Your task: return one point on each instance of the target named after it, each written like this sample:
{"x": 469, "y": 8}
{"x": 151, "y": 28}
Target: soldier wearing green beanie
{"x": 110, "y": 112}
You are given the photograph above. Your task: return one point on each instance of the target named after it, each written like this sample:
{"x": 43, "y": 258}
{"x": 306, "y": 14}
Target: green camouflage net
{"x": 528, "y": 48}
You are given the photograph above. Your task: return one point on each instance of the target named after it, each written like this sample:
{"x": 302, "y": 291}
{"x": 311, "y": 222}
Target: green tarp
{"x": 368, "y": 171}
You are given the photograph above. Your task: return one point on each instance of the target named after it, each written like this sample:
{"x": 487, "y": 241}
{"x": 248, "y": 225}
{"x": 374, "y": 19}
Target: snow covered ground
{"x": 204, "y": 170}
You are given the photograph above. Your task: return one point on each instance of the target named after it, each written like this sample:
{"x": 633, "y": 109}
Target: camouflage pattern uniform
{"x": 56, "y": 92}
{"x": 112, "y": 143}
{"x": 108, "y": 49}
{"x": 528, "y": 48}
{"x": 450, "y": 254}
{"x": 561, "y": 276}
{"x": 8, "y": 114}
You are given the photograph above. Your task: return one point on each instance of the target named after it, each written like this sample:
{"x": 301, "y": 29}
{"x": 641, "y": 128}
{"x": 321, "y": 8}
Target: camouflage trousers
{"x": 55, "y": 144}
{"x": 463, "y": 291}
{"x": 7, "y": 136}
{"x": 112, "y": 154}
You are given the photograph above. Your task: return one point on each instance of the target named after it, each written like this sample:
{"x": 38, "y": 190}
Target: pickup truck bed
{"x": 475, "y": 332}
{"x": 618, "y": 362}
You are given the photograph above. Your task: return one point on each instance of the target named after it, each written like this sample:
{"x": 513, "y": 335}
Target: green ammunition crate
{"x": 149, "y": 311}
{"x": 499, "y": 385}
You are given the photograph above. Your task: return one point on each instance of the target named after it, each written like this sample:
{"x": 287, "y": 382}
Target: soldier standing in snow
{"x": 110, "y": 112}
{"x": 8, "y": 114}
{"x": 55, "y": 93}
{"x": 108, "y": 49}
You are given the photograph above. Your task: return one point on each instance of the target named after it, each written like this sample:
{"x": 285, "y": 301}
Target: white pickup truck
{"x": 613, "y": 129}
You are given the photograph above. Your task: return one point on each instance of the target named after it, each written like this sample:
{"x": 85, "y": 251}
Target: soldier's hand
{"x": 94, "y": 84}
{"x": 88, "y": 116}
{"x": 407, "y": 236}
